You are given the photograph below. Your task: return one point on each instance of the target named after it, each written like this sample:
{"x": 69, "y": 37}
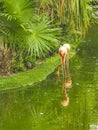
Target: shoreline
{"x": 30, "y": 77}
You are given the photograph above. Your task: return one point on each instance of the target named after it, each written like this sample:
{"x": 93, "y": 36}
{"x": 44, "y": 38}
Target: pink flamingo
{"x": 64, "y": 53}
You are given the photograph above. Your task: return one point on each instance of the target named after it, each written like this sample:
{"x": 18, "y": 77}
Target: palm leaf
{"x": 21, "y": 10}
{"x": 42, "y": 37}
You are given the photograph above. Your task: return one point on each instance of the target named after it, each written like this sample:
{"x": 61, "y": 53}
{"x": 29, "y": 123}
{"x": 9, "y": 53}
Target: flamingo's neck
{"x": 63, "y": 59}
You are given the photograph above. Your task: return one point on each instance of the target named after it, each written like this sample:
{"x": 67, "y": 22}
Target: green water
{"x": 39, "y": 107}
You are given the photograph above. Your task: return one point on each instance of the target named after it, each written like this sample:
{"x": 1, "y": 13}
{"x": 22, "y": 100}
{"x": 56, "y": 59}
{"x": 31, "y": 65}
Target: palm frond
{"x": 21, "y": 10}
{"x": 42, "y": 37}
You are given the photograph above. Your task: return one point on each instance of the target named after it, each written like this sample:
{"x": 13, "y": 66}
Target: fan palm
{"x": 42, "y": 37}
{"x": 13, "y": 15}
{"x": 16, "y": 19}
{"x": 18, "y": 27}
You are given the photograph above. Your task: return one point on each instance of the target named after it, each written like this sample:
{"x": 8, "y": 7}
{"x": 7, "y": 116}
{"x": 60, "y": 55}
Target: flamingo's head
{"x": 67, "y": 46}
{"x": 62, "y": 51}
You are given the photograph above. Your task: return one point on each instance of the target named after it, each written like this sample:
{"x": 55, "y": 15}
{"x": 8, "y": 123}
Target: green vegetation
{"x": 30, "y": 77}
{"x": 37, "y": 28}
{"x": 37, "y": 74}
{"x": 34, "y": 29}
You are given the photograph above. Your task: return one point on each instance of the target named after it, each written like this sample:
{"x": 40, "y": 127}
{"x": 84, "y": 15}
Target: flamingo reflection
{"x": 67, "y": 83}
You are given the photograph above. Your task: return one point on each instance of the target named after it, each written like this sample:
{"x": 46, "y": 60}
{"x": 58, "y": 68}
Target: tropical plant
{"x": 42, "y": 37}
{"x": 21, "y": 30}
{"x": 25, "y": 25}
{"x": 13, "y": 15}
{"x": 76, "y": 15}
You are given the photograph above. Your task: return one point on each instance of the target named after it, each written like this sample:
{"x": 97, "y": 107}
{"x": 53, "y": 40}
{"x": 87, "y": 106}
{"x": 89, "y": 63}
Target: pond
{"x": 40, "y": 107}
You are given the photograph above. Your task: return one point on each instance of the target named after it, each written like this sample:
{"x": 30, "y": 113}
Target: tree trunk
{"x": 5, "y": 62}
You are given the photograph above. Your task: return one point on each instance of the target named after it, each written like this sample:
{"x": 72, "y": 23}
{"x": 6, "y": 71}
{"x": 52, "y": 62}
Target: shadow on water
{"x": 51, "y": 105}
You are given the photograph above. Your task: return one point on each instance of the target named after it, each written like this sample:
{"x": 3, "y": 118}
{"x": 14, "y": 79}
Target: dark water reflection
{"x": 40, "y": 108}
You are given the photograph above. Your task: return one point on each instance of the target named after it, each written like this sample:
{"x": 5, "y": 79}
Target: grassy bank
{"x": 39, "y": 73}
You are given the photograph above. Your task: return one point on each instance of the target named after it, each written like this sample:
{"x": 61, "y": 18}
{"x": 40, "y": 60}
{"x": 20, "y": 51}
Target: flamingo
{"x": 64, "y": 53}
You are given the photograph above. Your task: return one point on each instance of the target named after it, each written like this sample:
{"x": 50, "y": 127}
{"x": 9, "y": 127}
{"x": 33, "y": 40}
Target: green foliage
{"x": 18, "y": 10}
{"x": 94, "y": 2}
{"x": 21, "y": 62}
{"x": 76, "y": 14}
{"x": 39, "y": 73}
{"x": 17, "y": 64}
{"x": 38, "y": 36}
{"x": 13, "y": 17}
{"x": 29, "y": 61}
{"x": 35, "y": 26}
{"x": 42, "y": 37}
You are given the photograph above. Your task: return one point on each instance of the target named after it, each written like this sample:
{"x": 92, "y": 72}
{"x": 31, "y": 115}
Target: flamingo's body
{"x": 67, "y": 46}
{"x": 63, "y": 53}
